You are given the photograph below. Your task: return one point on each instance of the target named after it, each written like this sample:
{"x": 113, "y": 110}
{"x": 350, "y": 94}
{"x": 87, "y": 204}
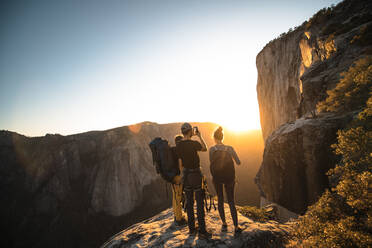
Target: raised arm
{"x": 204, "y": 146}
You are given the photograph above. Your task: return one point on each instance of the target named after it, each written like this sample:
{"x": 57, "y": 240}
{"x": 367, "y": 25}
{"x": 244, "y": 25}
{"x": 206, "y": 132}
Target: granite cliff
{"x": 294, "y": 73}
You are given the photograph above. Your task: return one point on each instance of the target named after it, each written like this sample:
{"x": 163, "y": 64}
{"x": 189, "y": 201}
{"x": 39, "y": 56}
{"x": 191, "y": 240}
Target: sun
{"x": 240, "y": 125}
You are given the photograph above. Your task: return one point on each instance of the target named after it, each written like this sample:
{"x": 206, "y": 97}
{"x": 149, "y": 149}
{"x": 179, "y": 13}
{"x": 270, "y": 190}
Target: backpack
{"x": 164, "y": 159}
{"x": 222, "y": 166}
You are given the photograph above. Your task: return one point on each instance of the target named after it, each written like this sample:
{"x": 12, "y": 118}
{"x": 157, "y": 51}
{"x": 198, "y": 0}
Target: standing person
{"x": 222, "y": 169}
{"x": 187, "y": 151}
{"x": 177, "y": 189}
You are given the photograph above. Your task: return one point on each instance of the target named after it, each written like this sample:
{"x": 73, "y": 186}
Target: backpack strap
{"x": 224, "y": 148}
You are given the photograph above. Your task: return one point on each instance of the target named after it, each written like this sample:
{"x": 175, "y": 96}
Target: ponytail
{"x": 218, "y": 133}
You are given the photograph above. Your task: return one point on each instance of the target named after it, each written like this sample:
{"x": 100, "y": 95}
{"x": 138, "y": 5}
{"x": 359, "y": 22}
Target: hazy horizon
{"x": 71, "y": 67}
{"x": 134, "y": 127}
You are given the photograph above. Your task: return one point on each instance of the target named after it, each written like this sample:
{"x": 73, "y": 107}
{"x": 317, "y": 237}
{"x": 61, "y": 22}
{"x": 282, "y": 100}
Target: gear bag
{"x": 164, "y": 159}
{"x": 222, "y": 166}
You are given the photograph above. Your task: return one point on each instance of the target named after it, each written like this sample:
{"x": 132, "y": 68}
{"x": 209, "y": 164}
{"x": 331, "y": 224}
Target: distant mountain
{"x": 77, "y": 190}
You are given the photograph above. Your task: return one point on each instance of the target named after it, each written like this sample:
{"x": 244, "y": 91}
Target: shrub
{"x": 352, "y": 91}
{"x": 342, "y": 217}
{"x": 256, "y": 214}
{"x": 320, "y": 17}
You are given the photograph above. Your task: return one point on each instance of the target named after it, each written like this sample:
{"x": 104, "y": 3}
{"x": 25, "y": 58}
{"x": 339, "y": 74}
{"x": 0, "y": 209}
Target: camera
{"x": 196, "y": 130}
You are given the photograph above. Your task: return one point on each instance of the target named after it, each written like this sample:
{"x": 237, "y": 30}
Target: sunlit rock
{"x": 294, "y": 73}
{"x": 297, "y": 155}
{"x": 296, "y": 70}
{"x": 160, "y": 231}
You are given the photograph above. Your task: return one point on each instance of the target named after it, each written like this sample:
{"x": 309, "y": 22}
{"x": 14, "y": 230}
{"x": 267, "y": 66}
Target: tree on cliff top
{"x": 352, "y": 91}
{"x": 342, "y": 217}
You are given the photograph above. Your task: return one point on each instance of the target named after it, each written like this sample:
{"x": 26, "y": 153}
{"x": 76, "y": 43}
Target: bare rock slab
{"x": 160, "y": 231}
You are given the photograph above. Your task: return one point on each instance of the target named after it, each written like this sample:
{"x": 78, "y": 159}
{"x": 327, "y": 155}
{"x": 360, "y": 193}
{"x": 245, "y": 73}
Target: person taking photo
{"x": 187, "y": 151}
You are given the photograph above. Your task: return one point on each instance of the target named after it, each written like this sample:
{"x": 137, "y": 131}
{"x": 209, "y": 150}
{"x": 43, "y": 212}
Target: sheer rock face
{"x": 278, "y": 85}
{"x": 294, "y": 73}
{"x": 297, "y": 156}
{"x": 124, "y": 168}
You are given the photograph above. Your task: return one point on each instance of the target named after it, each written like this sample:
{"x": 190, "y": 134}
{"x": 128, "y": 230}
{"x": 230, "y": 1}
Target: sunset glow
{"x": 74, "y": 67}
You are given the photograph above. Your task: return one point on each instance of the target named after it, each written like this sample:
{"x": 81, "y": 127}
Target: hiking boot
{"x": 181, "y": 222}
{"x": 205, "y": 235}
{"x": 238, "y": 230}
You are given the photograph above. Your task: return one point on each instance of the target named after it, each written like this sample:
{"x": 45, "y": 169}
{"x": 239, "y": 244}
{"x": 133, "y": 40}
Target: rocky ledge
{"x": 160, "y": 231}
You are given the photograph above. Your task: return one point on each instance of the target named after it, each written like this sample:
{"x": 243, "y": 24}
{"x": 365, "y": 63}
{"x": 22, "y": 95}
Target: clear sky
{"x": 75, "y": 66}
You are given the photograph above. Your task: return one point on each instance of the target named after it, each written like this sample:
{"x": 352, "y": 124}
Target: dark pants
{"x": 193, "y": 184}
{"x": 229, "y": 188}
{"x": 199, "y": 209}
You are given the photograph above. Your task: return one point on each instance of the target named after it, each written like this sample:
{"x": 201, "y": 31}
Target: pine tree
{"x": 342, "y": 217}
{"x": 352, "y": 91}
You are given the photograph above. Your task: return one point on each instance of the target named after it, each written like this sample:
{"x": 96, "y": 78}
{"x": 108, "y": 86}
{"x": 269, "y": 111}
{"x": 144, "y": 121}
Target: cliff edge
{"x": 160, "y": 231}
